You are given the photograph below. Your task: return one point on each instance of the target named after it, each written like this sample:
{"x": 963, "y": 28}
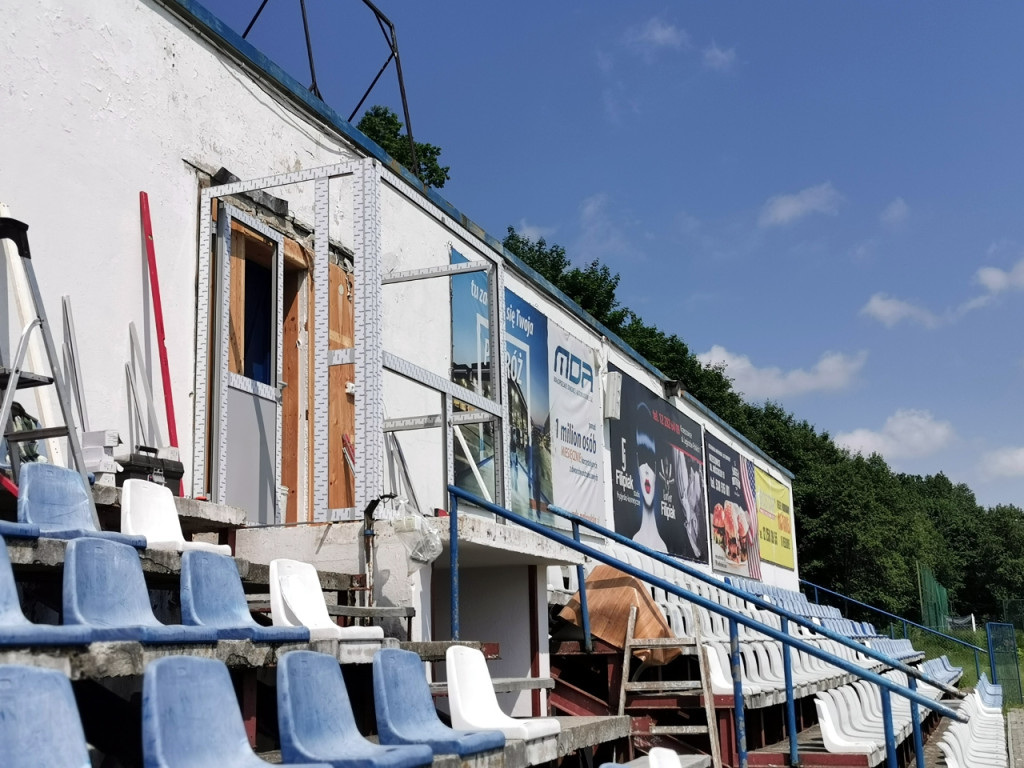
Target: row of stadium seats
{"x": 190, "y": 716}
{"x": 761, "y": 658}
{"x": 851, "y": 717}
{"x": 105, "y": 598}
{"x": 982, "y": 739}
{"x": 54, "y": 502}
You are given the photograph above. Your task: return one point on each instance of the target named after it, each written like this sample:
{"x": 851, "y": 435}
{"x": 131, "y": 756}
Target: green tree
{"x": 383, "y": 126}
{"x": 860, "y": 527}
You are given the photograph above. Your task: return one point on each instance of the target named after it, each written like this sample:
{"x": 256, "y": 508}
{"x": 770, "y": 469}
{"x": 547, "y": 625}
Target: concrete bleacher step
{"x": 505, "y": 685}
{"x": 434, "y": 650}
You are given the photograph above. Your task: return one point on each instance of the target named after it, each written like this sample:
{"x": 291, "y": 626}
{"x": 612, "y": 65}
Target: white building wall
{"x": 110, "y": 97}
{"x": 102, "y": 99}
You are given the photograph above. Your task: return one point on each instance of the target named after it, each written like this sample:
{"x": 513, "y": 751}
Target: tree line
{"x": 860, "y": 526}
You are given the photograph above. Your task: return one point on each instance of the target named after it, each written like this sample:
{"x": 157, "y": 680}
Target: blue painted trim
{"x": 727, "y": 586}
{"x": 890, "y": 735}
{"x": 581, "y": 579}
{"x": 787, "y": 666}
{"x": 748, "y": 621}
{"x": 196, "y": 14}
{"x": 915, "y": 721}
{"x": 889, "y": 615}
{"x": 453, "y": 553}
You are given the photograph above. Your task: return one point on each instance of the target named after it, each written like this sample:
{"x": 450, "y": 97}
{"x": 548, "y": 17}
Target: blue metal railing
{"x": 788, "y": 641}
{"x": 977, "y": 650}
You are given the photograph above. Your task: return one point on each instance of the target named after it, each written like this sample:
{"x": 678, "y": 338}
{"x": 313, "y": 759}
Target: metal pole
{"x": 737, "y": 692}
{"x": 1016, "y": 660}
{"x": 905, "y": 635}
{"x": 890, "y": 737}
{"x": 453, "y": 550}
{"x": 588, "y": 643}
{"x": 916, "y": 723}
{"x": 314, "y": 88}
{"x": 977, "y": 665}
{"x": 787, "y": 666}
{"x": 991, "y": 653}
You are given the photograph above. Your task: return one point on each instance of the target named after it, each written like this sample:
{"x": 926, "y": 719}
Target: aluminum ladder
{"x": 15, "y": 378}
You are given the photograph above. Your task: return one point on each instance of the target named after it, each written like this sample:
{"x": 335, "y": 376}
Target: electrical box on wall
{"x": 612, "y": 394}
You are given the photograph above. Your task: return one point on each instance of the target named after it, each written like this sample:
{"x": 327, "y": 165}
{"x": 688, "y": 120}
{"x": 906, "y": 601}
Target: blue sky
{"x": 825, "y": 196}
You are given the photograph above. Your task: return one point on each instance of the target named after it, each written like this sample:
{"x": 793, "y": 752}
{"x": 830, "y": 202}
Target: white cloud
{"x": 719, "y": 59}
{"x": 895, "y": 212}
{"x": 533, "y": 231}
{"x": 1004, "y": 462}
{"x": 784, "y": 209}
{"x": 890, "y": 311}
{"x": 602, "y": 233}
{"x": 907, "y": 434}
{"x": 656, "y": 33}
{"x": 832, "y": 372}
{"x": 997, "y": 280}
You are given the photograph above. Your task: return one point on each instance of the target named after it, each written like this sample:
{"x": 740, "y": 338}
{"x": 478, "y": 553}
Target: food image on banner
{"x": 576, "y": 426}
{"x": 774, "y": 520}
{"x": 657, "y": 470}
{"x": 732, "y": 501}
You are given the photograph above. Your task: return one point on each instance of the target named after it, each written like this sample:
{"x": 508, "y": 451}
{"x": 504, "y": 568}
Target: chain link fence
{"x": 1004, "y": 661}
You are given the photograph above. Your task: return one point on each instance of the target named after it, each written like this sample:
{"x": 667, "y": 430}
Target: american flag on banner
{"x": 750, "y": 501}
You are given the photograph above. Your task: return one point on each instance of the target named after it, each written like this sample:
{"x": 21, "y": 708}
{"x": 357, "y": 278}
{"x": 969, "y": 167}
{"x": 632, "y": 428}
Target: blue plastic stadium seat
{"x": 405, "y": 709}
{"x": 11, "y": 530}
{"x": 39, "y": 722}
{"x": 104, "y": 590}
{"x": 16, "y": 630}
{"x": 316, "y": 721}
{"x": 58, "y": 501}
{"x": 212, "y": 596}
{"x": 190, "y": 717}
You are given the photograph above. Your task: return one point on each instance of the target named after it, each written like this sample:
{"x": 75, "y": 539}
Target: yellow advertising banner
{"x": 774, "y": 520}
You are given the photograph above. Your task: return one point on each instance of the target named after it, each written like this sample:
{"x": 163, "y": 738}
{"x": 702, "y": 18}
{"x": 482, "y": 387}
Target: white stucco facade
{"x": 104, "y": 98}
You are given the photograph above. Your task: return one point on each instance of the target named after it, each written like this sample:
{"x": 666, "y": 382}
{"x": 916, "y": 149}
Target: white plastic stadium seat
{"x": 297, "y": 600}
{"x": 474, "y": 706}
{"x": 147, "y": 509}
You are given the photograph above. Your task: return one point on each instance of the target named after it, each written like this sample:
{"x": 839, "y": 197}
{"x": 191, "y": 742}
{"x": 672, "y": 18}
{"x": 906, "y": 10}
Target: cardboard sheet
{"x": 610, "y": 595}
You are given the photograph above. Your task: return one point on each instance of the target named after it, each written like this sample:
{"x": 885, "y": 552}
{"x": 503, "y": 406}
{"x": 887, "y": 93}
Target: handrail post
{"x": 977, "y": 665}
{"x": 905, "y": 635}
{"x": 588, "y": 642}
{"x": 787, "y": 666}
{"x": 453, "y": 551}
{"x": 916, "y": 723}
{"x": 737, "y": 692}
{"x": 890, "y": 737}
{"x": 816, "y": 598}
{"x": 991, "y": 653}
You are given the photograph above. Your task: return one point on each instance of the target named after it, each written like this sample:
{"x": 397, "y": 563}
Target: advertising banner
{"x": 731, "y": 499}
{"x": 657, "y": 470}
{"x": 554, "y": 408}
{"x": 774, "y": 520}
{"x": 576, "y": 431}
{"x": 526, "y": 359}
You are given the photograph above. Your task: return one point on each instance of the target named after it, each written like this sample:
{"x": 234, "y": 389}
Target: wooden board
{"x": 341, "y": 413}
